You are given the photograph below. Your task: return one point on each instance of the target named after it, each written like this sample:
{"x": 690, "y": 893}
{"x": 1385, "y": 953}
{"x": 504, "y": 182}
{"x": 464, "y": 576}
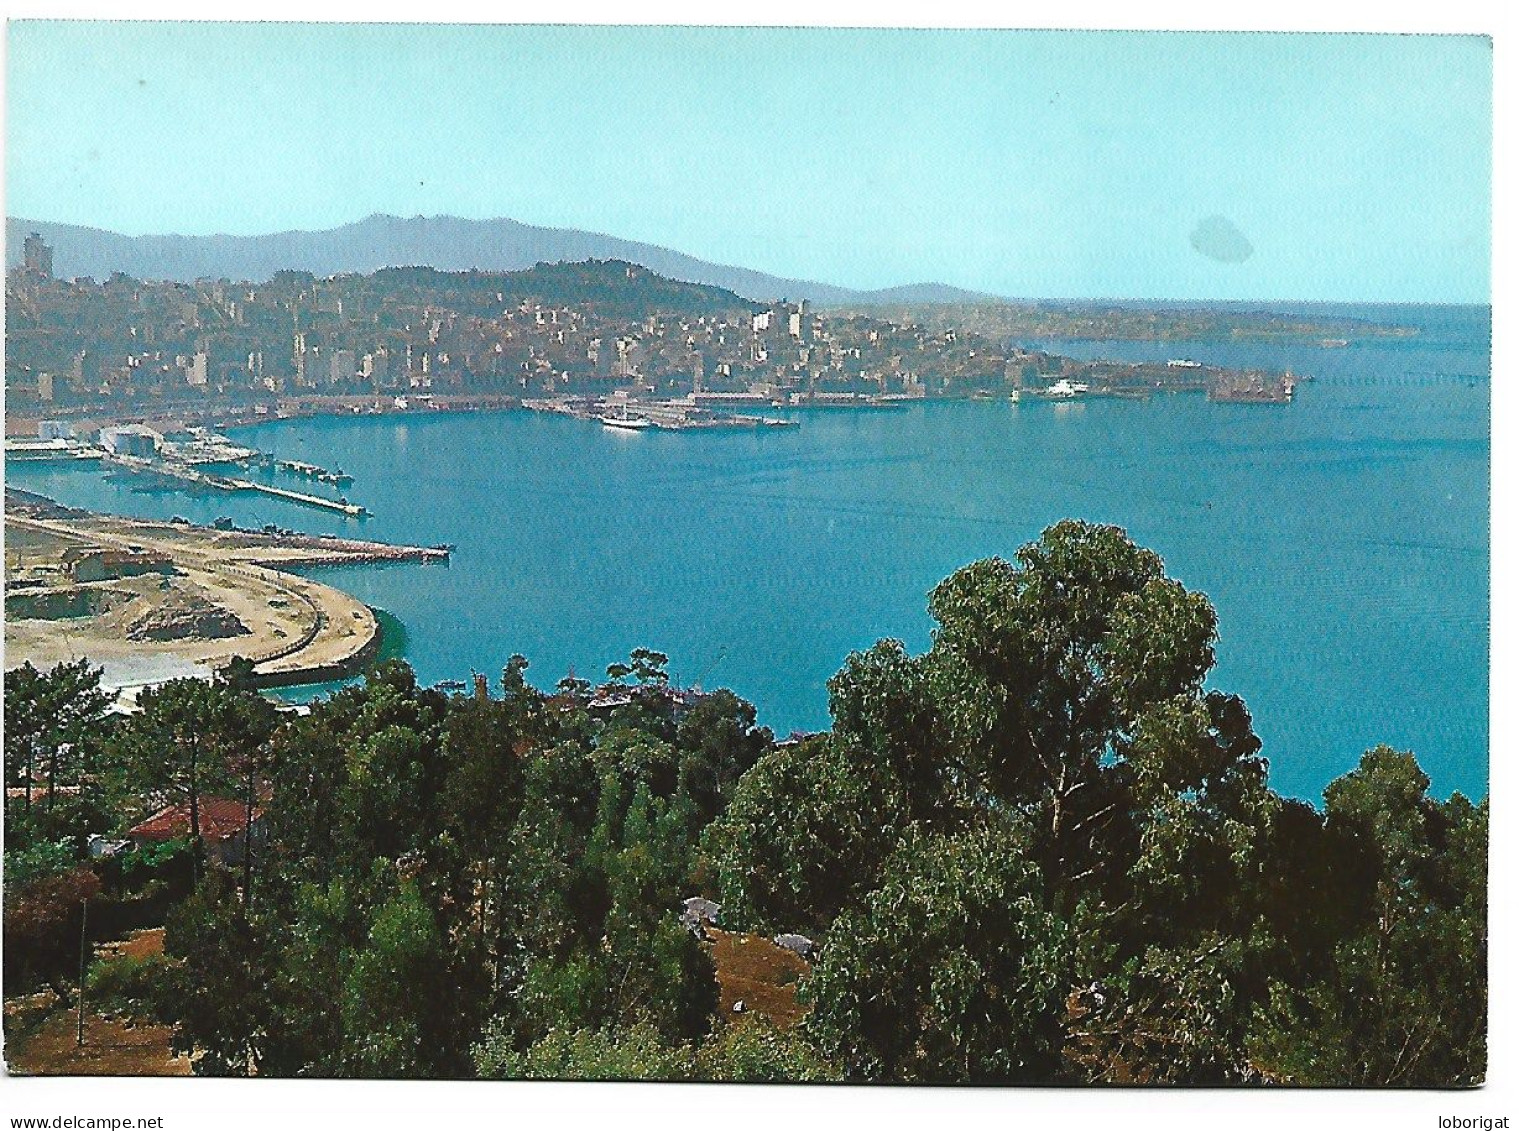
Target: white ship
{"x": 1065, "y": 388}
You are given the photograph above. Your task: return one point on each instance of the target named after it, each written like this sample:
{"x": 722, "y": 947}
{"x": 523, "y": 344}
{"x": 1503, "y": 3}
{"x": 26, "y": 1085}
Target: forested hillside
{"x": 1044, "y": 851}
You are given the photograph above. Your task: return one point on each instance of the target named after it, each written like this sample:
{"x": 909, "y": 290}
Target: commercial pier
{"x": 188, "y": 474}
{"x": 631, "y": 415}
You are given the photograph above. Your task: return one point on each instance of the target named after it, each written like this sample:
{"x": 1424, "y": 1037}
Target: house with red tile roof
{"x": 224, "y": 828}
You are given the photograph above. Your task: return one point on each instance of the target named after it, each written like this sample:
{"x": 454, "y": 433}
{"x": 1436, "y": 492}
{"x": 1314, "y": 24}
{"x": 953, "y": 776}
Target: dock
{"x": 49, "y": 450}
{"x": 188, "y": 474}
{"x": 628, "y": 414}
{"x": 342, "y": 506}
{"x": 338, "y": 478}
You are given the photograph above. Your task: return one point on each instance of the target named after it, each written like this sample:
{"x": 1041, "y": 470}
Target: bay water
{"x": 1343, "y": 538}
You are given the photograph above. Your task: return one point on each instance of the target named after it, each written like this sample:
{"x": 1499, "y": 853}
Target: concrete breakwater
{"x": 351, "y": 665}
{"x": 187, "y": 474}
{"x": 293, "y": 629}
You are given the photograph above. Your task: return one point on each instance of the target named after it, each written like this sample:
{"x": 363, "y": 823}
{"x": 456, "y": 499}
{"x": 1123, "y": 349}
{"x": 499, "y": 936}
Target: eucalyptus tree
{"x": 1402, "y": 1000}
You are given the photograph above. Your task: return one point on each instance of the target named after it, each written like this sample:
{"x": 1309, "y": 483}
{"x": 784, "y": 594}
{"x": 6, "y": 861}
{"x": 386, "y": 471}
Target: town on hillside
{"x": 414, "y": 337}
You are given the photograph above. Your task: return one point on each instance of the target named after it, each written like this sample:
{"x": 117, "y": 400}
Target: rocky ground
{"x": 186, "y": 614}
{"x": 225, "y": 597}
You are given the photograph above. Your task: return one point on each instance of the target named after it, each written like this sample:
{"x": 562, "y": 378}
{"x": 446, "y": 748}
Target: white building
{"x": 131, "y": 440}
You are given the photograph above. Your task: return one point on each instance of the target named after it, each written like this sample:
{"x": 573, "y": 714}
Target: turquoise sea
{"x": 1343, "y": 538}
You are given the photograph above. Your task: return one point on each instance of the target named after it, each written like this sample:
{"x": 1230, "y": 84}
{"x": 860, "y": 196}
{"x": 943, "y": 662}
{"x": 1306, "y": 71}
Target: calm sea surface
{"x": 1343, "y": 538}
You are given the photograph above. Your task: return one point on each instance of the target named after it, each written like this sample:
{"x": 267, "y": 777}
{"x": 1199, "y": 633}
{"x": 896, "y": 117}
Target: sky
{"x": 1031, "y": 164}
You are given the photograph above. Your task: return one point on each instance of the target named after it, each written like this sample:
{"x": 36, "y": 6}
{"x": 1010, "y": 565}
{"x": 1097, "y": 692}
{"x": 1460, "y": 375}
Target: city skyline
{"x": 1190, "y": 166}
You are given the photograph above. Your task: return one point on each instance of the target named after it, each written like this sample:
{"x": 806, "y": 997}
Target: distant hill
{"x": 616, "y": 288}
{"x": 446, "y": 243}
{"x": 914, "y": 294}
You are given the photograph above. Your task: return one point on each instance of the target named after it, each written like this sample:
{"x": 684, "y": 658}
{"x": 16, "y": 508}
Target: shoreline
{"x": 210, "y": 595}
{"x": 1241, "y": 387}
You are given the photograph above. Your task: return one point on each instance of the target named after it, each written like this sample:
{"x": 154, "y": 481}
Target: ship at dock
{"x": 623, "y": 413}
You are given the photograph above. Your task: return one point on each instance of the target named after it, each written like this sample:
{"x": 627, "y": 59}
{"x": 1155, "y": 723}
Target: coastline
{"x": 207, "y": 596}
{"x": 1217, "y": 383}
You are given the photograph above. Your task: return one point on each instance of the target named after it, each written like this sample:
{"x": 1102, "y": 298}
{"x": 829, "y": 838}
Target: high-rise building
{"x": 303, "y": 374}
{"x": 343, "y": 367}
{"x": 37, "y": 256}
{"x": 375, "y": 367}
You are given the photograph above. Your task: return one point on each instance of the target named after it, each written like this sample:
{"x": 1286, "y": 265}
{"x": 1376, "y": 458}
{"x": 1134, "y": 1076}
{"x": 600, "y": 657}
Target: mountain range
{"x": 448, "y": 243}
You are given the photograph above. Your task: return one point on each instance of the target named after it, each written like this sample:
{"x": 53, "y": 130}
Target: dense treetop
{"x": 1042, "y": 851}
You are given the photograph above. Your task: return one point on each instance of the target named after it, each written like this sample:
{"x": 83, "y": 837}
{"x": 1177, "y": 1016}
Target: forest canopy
{"x": 1043, "y": 851}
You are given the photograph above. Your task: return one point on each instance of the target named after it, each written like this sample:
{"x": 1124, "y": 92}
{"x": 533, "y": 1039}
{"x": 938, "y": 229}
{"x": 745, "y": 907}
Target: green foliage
{"x": 1064, "y": 690}
{"x": 387, "y": 1004}
{"x": 718, "y": 743}
{"x": 216, "y": 992}
{"x": 610, "y": 286}
{"x": 1404, "y": 1001}
{"x": 639, "y": 1053}
{"x": 623, "y": 958}
{"x": 1039, "y": 852}
{"x": 192, "y": 739}
{"x": 806, "y": 832}
{"x": 646, "y": 666}
{"x": 1200, "y": 816}
{"x": 497, "y": 857}
{"x": 141, "y": 863}
{"x": 1172, "y": 1017}
{"x": 1042, "y": 671}
{"x": 749, "y": 1051}
{"x": 54, "y": 725}
{"x": 752, "y": 1051}
{"x": 128, "y": 984}
{"x": 48, "y": 716}
{"x": 884, "y": 707}
{"x": 37, "y": 862}
{"x": 951, "y": 971}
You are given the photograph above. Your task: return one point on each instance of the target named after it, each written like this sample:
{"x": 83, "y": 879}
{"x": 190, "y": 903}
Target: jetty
{"x": 628, "y": 414}
{"x": 342, "y": 506}
{"x": 203, "y": 578}
{"x": 29, "y": 449}
{"x": 338, "y": 478}
{"x": 187, "y": 474}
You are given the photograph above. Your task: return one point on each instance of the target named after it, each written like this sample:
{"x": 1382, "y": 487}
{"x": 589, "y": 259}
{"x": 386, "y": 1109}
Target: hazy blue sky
{"x": 1024, "y": 163}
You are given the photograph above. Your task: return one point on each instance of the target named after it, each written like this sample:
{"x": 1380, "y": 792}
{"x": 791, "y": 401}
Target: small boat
{"x": 450, "y": 685}
{"x": 1015, "y": 396}
{"x": 627, "y": 423}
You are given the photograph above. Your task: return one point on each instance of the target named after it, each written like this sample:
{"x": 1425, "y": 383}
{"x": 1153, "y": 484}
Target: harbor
{"x": 180, "y": 455}
{"x": 337, "y": 478}
{"x": 623, "y": 413}
{"x": 186, "y": 474}
{"x": 164, "y": 595}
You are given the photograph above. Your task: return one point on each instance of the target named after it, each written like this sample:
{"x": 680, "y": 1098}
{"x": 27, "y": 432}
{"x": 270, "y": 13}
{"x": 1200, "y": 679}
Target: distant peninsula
{"x": 133, "y": 348}
{"x": 1139, "y": 322}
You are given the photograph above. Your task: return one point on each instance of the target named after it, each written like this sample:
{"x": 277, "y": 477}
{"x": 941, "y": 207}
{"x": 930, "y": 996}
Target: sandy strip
{"x": 296, "y": 624}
